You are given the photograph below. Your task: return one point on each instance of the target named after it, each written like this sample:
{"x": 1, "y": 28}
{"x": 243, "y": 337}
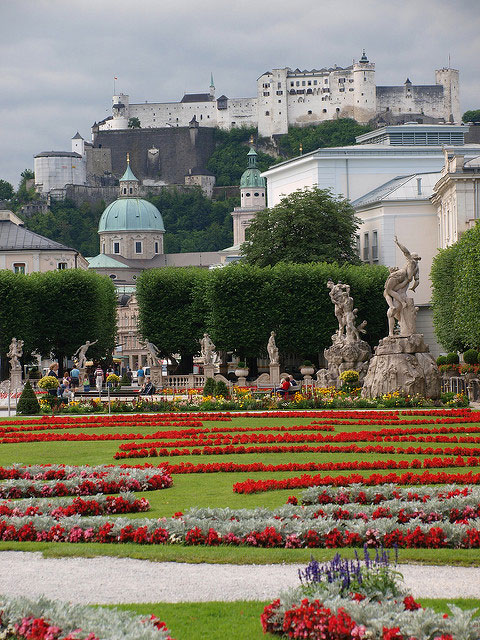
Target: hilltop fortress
{"x": 286, "y": 98}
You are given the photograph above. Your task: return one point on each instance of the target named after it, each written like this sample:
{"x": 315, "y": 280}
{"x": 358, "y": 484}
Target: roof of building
{"x": 474, "y": 163}
{"x": 401, "y": 188}
{"x": 197, "y": 97}
{"x": 60, "y": 154}
{"x": 131, "y": 214}
{"x": 14, "y": 237}
{"x": 77, "y": 136}
{"x": 128, "y": 175}
{"x": 251, "y": 177}
{"x": 103, "y": 261}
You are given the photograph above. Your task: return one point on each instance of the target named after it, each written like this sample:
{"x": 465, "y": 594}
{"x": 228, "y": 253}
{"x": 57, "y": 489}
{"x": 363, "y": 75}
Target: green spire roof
{"x": 128, "y": 175}
{"x": 251, "y": 177}
{"x": 211, "y": 80}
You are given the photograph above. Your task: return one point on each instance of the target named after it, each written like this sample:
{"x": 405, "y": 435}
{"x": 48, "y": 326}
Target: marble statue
{"x": 153, "y": 354}
{"x": 348, "y": 350}
{"x": 207, "y": 349}
{"x": 400, "y": 306}
{"x": 272, "y": 349}
{"x": 15, "y": 352}
{"x": 402, "y": 362}
{"x": 82, "y": 353}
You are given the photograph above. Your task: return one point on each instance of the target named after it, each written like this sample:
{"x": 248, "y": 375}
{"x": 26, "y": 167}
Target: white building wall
{"x": 54, "y": 172}
{"x": 353, "y": 171}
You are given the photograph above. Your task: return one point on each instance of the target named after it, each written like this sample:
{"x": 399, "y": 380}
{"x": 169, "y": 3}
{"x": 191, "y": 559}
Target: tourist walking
{"x": 74, "y": 379}
{"x": 53, "y": 371}
{"x": 140, "y": 377}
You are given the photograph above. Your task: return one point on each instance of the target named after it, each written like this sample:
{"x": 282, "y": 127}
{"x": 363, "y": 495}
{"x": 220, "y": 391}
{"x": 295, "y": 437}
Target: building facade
{"x": 287, "y": 97}
{"x": 23, "y": 251}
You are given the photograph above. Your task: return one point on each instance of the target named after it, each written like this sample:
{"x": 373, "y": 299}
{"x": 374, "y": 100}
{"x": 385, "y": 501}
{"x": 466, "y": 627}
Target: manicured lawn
{"x": 239, "y": 620}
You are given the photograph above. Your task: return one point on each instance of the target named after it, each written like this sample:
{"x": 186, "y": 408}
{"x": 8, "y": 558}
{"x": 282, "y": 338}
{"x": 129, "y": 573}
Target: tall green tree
{"x": 72, "y": 306}
{"x": 6, "y": 190}
{"x": 309, "y": 225}
{"x": 455, "y": 278}
{"x": 172, "y": 311}
{"x": 331, "y": 133}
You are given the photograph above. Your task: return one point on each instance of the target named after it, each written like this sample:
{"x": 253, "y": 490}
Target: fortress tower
{"x": 449, "y": 79}
{"x": 365, "y": 99}
{"x": 120, "y": 111}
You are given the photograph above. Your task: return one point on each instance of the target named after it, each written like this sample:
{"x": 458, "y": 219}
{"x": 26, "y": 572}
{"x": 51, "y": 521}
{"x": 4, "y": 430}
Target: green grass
{"x": 238, "y": 620}
{"x": 207, "y": 490}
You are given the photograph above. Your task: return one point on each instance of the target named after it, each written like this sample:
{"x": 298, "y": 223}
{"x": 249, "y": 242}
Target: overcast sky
{"x": 59, "y": 57}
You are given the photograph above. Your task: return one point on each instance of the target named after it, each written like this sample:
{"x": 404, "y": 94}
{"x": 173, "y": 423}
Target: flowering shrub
{"x": 351, "y": 599}
{"x": 43, "y": 619}
{"x": 48, "y": 382}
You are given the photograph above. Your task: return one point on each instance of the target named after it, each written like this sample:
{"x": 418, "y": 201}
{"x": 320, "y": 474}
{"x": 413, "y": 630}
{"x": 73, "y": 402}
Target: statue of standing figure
{"x": 272, "y": 349}
{"x": 207, "y": 349}
{"x": 82, "y": 353}
{"x": 400, "y": 306}
{"x": 153, "y": 354}
{"x": 15, "y": 352}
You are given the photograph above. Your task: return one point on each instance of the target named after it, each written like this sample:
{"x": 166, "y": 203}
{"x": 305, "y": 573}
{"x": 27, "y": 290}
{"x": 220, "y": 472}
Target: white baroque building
{"x": 287, "y": 97}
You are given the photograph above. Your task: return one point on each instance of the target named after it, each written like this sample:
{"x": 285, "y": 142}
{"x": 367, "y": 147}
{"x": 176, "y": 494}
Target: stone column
{"x": 275, "y": 374}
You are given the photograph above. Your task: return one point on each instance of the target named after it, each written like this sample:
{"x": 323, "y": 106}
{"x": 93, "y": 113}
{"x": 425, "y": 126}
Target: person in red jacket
{"x": 284, "y": 387}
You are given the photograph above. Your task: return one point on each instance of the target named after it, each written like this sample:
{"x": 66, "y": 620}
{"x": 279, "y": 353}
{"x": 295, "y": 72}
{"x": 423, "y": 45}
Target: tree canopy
{"x": 6, "y": 190}
{"x": 331, "y": 133}
{"x": 240, "y": 304}
{"x": 55, "y": 312}
{"x": 455, "y": 278}
{"x": 471, "y": 116}
{"x": 309, "y": 225}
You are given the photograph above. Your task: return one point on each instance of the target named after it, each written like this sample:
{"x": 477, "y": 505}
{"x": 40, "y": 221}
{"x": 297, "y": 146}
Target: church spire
{"x": 212, "y": 85}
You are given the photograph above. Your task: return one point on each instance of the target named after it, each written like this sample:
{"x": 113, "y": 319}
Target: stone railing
{"x": 188, "y": 381}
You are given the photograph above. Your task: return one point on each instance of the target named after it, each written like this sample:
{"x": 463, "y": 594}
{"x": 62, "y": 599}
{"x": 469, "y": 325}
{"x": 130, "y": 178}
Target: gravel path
{"x": 115, "y": 580}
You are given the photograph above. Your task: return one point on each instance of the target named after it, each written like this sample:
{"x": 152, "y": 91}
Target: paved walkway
{"x": 115, "y": 580}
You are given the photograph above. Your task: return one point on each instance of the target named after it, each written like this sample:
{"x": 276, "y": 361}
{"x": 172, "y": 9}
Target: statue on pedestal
{"x": 15, "y": 352}
{"x": 402, "y": 363}
{"x": 272, "y": 349}
{"x": 348, "y": 350}
{"x": 82, "y": 353}
{"x": 207, "y": 349}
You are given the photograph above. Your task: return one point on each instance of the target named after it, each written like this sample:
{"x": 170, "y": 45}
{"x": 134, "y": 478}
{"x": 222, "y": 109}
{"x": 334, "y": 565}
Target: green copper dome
{"x": 131, "y": 214}
{"x": 251, "y": 177}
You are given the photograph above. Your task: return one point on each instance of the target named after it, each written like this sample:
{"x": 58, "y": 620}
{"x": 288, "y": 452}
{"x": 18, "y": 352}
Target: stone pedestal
{"x": 209, "y": 371}
{"x": 403, "y": 364}
{"x": 16, "y": 379}
{"x": 82, "y": 377}
{"x": 156, "y": 376}
{"x": 275, "y": 374}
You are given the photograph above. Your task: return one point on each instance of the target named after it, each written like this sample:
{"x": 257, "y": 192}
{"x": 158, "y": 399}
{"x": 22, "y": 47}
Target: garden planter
{"x": 307, "y": 372}
{"x": 242, "y": 376}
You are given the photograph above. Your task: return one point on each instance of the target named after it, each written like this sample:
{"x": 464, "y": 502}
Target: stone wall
{"x": 163, "y": 155}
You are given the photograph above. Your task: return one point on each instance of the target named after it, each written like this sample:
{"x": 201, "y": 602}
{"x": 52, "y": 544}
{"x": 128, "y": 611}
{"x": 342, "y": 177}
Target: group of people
{"x": 68, "y": 384}
{"x": 289, "y": 385}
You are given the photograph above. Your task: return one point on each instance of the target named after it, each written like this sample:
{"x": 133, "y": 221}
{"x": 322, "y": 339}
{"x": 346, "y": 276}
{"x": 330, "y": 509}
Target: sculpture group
{"x": 402, "y": 361}
{"x": 348, "y": 350}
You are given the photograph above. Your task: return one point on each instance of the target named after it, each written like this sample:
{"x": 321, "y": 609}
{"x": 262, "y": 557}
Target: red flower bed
{"x": 258, "y": 486}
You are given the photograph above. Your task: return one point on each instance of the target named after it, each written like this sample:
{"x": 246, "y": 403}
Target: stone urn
{"x": 241, "y": 373}
{"x": 307, "y": 371}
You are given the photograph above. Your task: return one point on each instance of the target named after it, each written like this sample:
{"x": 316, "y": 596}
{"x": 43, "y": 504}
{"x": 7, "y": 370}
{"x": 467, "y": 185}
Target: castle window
{"x": 325, "y": 81}
{"x": 292, "y": 84}
{"x": 279, "y": 102}
{"x": 309, "y": 112}
{"x": 309, "y": 83}
{"x": 112, "y": 276}
{"x": 337, "y": 109}
{"x": 62, "y": 265}
{"x": 303, "y": 83}
{"x": 324, "y": 110}
{"x": 256, "y": 195}
{"x": 297, "y": 83}
{"x": 279, "y": 85}
{"x": 19, "y": 267}
{"x": 279, "y": 93}
{"x": 248, "y": 195}
{"x": 267, "y": 113}
{"x": 157, "y": 247}
{"x": 116, "y": 247}
{"x": 314, "y": 82}
{"x": 138, "y": 247}
{"x": 131, "y": 190}
{"x": 125, "y": 190}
